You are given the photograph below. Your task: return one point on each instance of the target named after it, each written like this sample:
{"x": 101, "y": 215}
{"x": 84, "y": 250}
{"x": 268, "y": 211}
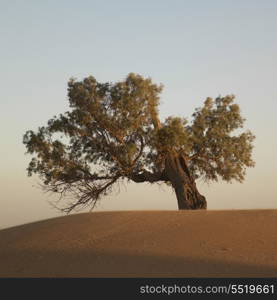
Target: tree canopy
{"x": 113, "y": 132}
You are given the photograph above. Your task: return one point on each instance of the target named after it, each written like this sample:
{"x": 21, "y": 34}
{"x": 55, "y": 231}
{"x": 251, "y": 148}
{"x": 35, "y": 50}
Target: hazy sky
{"x": 195, "y": 48}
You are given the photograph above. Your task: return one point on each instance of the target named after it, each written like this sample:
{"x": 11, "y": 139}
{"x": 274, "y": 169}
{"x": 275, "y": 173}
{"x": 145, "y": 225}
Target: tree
{"x": 113, "y": 132}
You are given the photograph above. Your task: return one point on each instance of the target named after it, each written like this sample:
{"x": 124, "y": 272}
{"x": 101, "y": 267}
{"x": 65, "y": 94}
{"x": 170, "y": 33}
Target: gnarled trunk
{"x": 183, "y": 183}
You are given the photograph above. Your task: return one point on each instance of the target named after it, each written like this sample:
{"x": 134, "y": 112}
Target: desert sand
{"x": 235, "y": 243}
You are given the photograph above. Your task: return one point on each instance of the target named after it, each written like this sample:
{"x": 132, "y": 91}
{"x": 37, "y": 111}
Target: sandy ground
{"x": 239, "y": 243}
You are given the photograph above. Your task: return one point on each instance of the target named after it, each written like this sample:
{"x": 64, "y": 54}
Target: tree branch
{"x": 86, "y": 194}
{"x": 140, "y": 151}
{"x": 146, "y": 176}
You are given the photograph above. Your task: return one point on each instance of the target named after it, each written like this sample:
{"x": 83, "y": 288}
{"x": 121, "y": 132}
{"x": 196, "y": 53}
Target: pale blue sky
{"x": 195, "y": 48}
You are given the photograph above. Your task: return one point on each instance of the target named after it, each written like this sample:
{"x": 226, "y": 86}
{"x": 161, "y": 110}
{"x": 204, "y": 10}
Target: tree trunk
{"x": 183, "y": 183}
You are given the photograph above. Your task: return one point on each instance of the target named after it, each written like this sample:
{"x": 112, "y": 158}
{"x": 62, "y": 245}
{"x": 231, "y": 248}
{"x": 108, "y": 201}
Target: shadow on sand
{"x": 27, "y": 263}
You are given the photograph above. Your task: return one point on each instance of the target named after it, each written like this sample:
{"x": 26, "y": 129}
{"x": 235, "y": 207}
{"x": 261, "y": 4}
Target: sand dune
{"x": 239, "y": 243}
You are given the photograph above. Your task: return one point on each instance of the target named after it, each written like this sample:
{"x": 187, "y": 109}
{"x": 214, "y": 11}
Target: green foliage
{"x": 113, "y": 131}
{"x": 215, "y": 150}
{"x": 173, "y": 136}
